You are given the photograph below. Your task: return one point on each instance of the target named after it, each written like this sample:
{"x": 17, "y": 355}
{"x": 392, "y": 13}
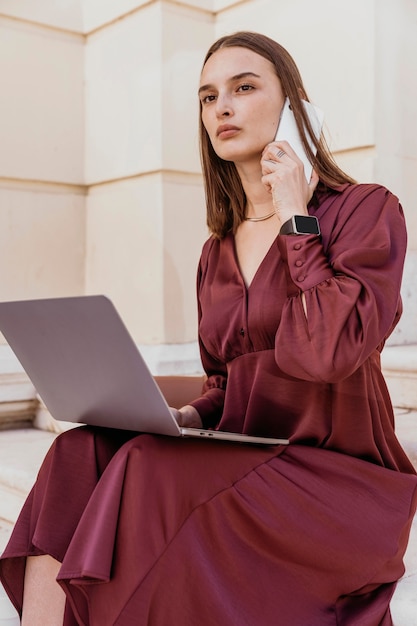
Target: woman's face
{"x": 241, "y": 98}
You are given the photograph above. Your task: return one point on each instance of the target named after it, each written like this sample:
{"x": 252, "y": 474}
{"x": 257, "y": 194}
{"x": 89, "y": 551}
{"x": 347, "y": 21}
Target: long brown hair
{"x": 225, "y": 197}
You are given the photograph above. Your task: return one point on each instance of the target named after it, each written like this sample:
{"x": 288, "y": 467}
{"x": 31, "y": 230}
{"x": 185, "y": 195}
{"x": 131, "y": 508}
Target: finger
{"x": 175, "y": 413}
{"x": 286, "y": 148}
{"x": 267, "y": 183}
{"x": 314, "y": 181}
{"x": 268, "y": 166}
{"x": 274, "y": 152}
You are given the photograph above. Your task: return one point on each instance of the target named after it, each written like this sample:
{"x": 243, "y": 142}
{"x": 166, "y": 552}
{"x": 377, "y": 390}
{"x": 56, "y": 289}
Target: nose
{"x": 223, "y": 106}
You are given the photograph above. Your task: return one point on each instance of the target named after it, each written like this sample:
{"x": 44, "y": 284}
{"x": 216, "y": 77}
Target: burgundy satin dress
{"x": 154, "y": 530}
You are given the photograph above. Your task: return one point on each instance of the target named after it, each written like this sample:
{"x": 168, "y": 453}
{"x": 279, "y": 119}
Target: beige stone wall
{"x": 42, "y": 203}
{"x": 145, "y": 205}
{"x": 100, "y": 184}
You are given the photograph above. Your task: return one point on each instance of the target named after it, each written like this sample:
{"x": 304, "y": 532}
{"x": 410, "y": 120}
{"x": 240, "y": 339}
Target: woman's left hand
{"x": 283, "y": 175}
{"x": 187, "y": 416}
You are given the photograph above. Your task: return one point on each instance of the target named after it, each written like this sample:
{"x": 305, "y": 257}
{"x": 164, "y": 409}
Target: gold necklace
{"x": 260, "y": 219}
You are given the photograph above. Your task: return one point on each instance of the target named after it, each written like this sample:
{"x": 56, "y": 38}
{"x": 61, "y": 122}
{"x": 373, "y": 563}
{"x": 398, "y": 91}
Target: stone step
{"x": 406, "y": 429}
{"x": 21, "y": 453}
{"x": 8, "y": 614}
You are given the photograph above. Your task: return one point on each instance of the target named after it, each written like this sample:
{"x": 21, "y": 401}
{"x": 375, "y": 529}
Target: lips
{"x": 227, "y": 130}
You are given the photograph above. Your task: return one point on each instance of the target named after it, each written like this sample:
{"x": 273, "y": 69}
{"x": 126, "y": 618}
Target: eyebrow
{"x": 230, "y": 80}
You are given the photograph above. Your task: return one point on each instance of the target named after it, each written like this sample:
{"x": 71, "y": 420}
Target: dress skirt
{"x": 159, "y": 531}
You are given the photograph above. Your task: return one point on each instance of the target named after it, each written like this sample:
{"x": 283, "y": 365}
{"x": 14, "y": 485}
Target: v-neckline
{"x": 246, "y": 285}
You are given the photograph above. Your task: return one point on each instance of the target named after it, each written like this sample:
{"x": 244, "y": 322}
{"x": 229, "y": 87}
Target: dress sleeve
{"x": 351, "y": 284}
{"x": 210, "y": 404}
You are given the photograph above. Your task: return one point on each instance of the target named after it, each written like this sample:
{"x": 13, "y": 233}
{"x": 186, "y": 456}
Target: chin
{"x": 231, "y": 155}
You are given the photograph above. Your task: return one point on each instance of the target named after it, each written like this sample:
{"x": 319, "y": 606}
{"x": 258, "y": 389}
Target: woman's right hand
{"x": 283, "y": 175}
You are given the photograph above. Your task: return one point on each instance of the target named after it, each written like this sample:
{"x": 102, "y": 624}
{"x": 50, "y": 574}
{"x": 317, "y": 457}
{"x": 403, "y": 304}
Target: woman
{"x": 140, "y": 529}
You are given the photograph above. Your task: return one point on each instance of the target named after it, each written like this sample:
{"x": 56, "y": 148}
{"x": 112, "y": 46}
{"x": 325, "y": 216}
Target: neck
{"x": 258, "y": 199}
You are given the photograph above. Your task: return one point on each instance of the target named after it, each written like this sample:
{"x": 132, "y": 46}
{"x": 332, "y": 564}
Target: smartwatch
{"x": 301, "y": 225}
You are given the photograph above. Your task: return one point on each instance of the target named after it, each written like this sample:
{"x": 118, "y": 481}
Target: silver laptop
{"x": 87, "y": 369}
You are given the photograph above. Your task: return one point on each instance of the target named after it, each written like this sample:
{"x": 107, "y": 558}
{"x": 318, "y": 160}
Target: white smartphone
{"x": 288, "y": 131}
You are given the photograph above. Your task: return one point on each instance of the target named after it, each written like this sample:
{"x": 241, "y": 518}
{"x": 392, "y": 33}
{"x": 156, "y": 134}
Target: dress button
{"x": 301, "y": 278}
{"x": 242, "y": 332}
{"x": 299, "y": 263}
{"x": 297, "y": 246}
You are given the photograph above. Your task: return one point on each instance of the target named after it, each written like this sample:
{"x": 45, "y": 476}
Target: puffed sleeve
{"x": 351, "y": 282}
{"x": 210, "y": 404}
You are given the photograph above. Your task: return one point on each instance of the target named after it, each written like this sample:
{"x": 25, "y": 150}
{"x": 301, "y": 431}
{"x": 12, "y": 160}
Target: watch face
{"x": 306, "y": 224}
